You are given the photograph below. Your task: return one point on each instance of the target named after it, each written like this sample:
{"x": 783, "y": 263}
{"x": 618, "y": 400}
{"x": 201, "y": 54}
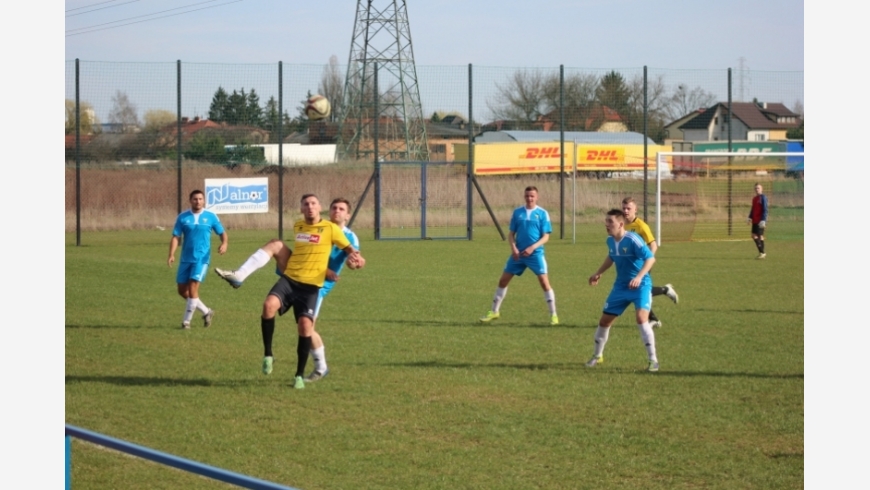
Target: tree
{"x": 206, "y": 148}
{"x": 217, "y": 111}
{"x": 88, "y": 122}
{"x": 332, "y": 87}
{"x": 685, "y": 101}
{"x": 656, "y": 103}
{"x": 521, "y": 98}
{"x": 156, "y": 119}
{"x": 614, "y": 93}
{"x": 578, "y": 94}
{"x": 253, "y": 114}
{"x": 123, "y": 113}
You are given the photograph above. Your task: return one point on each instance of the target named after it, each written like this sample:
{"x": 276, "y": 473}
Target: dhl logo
{"x": 541, "y": 152}
{"x": 616, "y": 155}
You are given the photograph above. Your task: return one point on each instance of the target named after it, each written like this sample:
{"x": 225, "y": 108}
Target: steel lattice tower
{"x": 382, "y": 39}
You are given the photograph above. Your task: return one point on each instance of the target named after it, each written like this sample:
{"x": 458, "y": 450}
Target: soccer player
{"x": 758, "y": 219}
{"x": 301, "y": 280}
{"x": 633, "y": 260}
{"x": 195, "y": 225}
{"x": 339, "y": 213}
{"x": 639, "y": 226}
{"x": 530, "y": 229}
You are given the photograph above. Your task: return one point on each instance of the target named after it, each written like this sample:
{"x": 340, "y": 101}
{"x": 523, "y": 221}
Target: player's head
{"x": 629, "y": 208}
{"x": 531, "y": 196}
{"x": 310, "y": 207}
{"x": 197, "y": 200}
{"x": 758, "y": 188}
{"x": 614, "y": 222}
{"x": 339, "y": 211}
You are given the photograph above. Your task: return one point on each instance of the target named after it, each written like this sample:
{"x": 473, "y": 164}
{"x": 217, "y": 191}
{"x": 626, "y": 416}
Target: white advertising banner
{"x": 237, "y": 196}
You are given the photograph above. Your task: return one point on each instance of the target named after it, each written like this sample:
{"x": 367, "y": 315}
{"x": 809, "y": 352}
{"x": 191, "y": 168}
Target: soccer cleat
{"x": 298, "y": 383}
{"x": 655, "y": 324}
{"x": 316, "y": 376}
{"x": 761, "y": 256}
{"x": 267, "y": 365}
{"x": 670, "y": 292}
{"x": 595, "y": 361}
{"x": 185, "y": 325}
{"x": 653, "y": 367}
{"x": 490, "y": 316}
{"x": 554, "y": 320}
{"x": 207, "y": 318}
{"x": 229, "y": 276}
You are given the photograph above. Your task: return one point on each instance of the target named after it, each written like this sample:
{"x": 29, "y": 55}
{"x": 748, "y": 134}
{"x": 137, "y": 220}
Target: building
{"x": 750, "y": 122}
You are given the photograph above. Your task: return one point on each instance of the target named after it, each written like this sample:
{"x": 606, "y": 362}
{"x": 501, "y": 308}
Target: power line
{"x": 91, "y": 5}
{"x": 86, "y": 31}
{"x": 101, "y": 8}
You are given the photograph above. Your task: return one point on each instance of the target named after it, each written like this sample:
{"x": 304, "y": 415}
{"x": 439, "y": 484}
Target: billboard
{"x": 237, "y": 196}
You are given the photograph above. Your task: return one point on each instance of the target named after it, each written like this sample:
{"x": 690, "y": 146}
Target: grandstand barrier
{"x": 162, "y": 458}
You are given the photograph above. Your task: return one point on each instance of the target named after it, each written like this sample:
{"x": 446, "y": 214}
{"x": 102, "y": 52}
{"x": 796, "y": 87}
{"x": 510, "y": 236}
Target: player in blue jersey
{"x": 530, "y": 229}
{"x": 758, "y": 219}
{"x": 633, "y": 260}
{"x": 339, "y": 213}
{"x": 195, "y": 226}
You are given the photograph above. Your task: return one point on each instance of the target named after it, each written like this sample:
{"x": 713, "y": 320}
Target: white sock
{"x": 649, "y": 340}
{"x": 191, "y": 307}
{"x": 201, "y": 306}
{"x": 319, "y": 356}
{"x": 601, "y": 335}
{"x": 550, "y": 298}
{"x": 500, "y": 293}
{"x": 254, "y": 262}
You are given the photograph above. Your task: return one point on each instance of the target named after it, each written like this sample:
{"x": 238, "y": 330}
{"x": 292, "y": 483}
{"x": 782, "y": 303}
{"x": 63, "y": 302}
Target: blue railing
{"x": 163, "y": 458}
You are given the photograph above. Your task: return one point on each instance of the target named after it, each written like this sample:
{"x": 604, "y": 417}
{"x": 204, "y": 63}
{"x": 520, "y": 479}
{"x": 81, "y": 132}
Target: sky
{"x": 675, "y": 34}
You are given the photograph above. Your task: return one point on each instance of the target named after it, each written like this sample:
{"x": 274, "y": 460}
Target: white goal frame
{"x": 661, "y": 160}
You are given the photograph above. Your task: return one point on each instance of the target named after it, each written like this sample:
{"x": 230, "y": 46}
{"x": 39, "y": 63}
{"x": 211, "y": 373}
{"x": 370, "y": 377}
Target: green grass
{"x": 420, "y": 395}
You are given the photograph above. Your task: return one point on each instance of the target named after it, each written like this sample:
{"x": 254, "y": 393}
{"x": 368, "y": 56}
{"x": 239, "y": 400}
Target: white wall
{"x": 300, "y": 155}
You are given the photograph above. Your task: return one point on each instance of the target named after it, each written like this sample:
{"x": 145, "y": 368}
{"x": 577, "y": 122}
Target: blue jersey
{"x": 628, "y": 255}
{"x": 529, "y": 226}
{"x": 338, "y": 256}
{"x": 196, "y": 231}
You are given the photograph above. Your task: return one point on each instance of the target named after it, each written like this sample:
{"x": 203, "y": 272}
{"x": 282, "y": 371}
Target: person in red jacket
{"x": 758, "y": 219}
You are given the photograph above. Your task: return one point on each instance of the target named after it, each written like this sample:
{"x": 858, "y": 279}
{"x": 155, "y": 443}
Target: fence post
{"x": 561, "y": 152}
{"x": 178, "y": 143}
{"x": 469, "y": 169}
{"x": 78, "y": 163}
{"x": 377, "y": 159}
{"x": 730, "y": 118}
{"x": 645, "y": 149}
{"x": 280, "y": 151}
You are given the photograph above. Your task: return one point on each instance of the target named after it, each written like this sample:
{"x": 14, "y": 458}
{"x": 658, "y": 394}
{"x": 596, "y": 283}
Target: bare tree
{"x": 798, "y": 108}
{"x": 521, "y": 98}
{"x": 123, "y": 113}
{"x": 332, "y": 87}
{"x": 684, "y": 101}
{"x": 155, "y": 119}
{"x": 656, "y": 104}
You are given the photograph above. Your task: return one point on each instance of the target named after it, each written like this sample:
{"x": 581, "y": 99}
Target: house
{"x": 751, "y": 122}
{"x": 672, "y": 130}
{"x": 600, "y": 118}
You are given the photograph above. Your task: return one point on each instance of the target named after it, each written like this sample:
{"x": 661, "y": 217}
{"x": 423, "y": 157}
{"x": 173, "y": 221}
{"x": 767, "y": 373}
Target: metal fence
{"x": 135, "y": 144}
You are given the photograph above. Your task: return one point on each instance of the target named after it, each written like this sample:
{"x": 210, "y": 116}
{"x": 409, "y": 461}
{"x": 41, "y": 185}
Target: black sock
{"x": 302, "y": 349}
{"x": 658, "y": 290}
{"x": 267, "y": 326}
{"x": 761, "y": 246}
{"x": 652, "y": 316}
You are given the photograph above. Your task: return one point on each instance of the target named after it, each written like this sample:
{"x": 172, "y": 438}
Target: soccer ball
{"x": 317, "y": 108}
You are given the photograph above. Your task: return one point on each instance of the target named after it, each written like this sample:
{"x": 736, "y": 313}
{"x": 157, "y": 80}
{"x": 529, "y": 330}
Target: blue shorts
{"x": 191, "y": 271}
{"x": 621, "y": 297}
{"x": 327, "y": 287}
{"x": 536, "y": 262}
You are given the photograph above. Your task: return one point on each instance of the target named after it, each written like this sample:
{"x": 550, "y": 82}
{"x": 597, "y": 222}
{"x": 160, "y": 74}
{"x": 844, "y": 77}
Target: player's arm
{"x": 647, "y": 266}
{"x": 540, "y": 243}
{"x": 353, "y": 255}
{"x": 763, "y": 222}
{"x": 224, "y": 242}
{"x": 653, "y": 246}
{"x": 512, "y": 239}
{"x": 331, "y": 275}
{"x": 593, "y": 279}
{"x": 173, "y": 245}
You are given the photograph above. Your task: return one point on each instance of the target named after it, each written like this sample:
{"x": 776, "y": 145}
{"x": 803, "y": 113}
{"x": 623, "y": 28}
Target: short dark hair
{"x": 195, "y": 192}
{"x": 340, "y": 199}
{"x": 617, "y": 213}
{"x": 531, "y": 188}
{"x": 306, "y": 196}
{"x": 627, "y": 200}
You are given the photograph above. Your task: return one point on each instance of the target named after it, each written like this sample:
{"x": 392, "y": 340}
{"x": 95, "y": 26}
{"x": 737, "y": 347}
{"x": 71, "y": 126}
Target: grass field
{"x": 422, "y": 396}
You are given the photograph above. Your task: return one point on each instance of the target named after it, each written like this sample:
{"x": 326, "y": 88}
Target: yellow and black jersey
{"x": 641, "y": 228}
{"x": 312, "y": 245}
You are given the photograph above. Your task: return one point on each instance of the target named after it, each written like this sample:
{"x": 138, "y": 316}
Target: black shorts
{"x": 301, "y": 297}
{"x": 757, "y": 230}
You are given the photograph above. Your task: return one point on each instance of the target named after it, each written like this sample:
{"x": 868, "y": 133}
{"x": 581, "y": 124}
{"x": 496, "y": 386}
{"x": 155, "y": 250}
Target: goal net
{"x": 707, "y": 195}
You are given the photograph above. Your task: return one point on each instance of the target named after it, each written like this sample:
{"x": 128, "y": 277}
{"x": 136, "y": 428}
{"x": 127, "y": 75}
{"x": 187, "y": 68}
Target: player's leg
{"x": 667, "y": 290}
{"x": 511, "y": 269}
{"x": 643, "y": 305}
{"x": 758, "y": 238}
{"x": 277, "y": 302}
{"x": 197, "y": 277}
{"x": 654, "y": 320}
{"x": 273, "y": 248}
{"x": 182, "y": 280}
{"x": 304, "y": 302}
{"x": 600, "y": 340}
{"x": 538, "y": 265}
{"x": 318, "y": 350}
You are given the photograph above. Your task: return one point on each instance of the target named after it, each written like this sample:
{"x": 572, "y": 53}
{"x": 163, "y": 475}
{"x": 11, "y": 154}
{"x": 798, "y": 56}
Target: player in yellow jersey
{"x": 302, "y": 278}
{"x": 637, "y": 225}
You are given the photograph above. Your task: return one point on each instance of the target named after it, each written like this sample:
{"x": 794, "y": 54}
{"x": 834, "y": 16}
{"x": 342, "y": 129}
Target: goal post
{"x": 701, "y": 196}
